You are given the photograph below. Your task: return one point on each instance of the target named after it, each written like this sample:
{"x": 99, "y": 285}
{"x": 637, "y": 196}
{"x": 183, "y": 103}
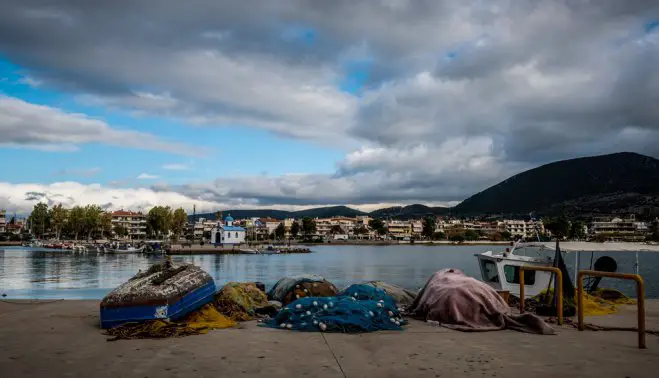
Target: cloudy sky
{"x": 291, "y": 104}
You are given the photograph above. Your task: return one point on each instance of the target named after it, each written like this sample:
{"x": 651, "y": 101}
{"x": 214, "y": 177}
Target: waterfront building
{"x": 619, "y": 228}
{"x": 416, "y": 227}
{"x": 201, "y": 228}
{"x": 226, "y": 233}
{"x": 16, "y": 227}
{"x": 3, "y": 221}
{"x": 323, "y": 226}
{"x": 611, "y": 225}
{"x": 288, "y": 224}
{"x": 399, "y": 229}
{"x": 441, "y": 226}
{"x": 134, "y": 223}
{"x": 269, "y": 225}
{"x": 523, "y": 228}
{"x": 346, "y": 224}
{"x": 362, "y": 220}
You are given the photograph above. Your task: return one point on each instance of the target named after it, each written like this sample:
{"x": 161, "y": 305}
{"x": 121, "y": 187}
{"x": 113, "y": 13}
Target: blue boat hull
{"x": 114, "y": 316}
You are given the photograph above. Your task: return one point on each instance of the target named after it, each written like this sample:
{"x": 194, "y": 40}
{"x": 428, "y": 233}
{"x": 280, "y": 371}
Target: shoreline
{"x": 62, "y": 339}
{"x": 209, "y": 249}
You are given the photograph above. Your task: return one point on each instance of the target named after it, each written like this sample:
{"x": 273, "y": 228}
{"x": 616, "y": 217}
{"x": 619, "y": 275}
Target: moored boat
{"x": 502, "y": 270}
{"x": 269, "y": 250}
{"x": 124, "y": 250}
{"x": 165, "y": 291}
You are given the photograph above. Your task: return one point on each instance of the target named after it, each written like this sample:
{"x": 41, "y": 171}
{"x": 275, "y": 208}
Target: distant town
{"x": 91, "y": 222}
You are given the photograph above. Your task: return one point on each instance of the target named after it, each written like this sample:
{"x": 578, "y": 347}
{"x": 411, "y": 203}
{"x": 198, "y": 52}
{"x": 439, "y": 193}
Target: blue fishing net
{"x": 360, "y": 308}
{"x": 363, "y": 292}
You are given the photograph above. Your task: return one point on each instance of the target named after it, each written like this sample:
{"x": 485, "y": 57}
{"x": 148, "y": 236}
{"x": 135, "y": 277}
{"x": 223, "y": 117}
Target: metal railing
{"x": 640, "y": 298}
{"x": 558, "y": 291}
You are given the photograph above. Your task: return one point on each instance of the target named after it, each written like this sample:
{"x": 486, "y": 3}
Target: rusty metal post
{"x": 640, "y": 298}
{"x": 521, "y": 289}
{"x": 558, "y": 290}
{"x": 580, "y": 300}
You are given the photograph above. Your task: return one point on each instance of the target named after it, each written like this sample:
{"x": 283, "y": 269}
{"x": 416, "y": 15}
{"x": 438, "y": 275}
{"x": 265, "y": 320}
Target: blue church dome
{"x": 228, "y": 219}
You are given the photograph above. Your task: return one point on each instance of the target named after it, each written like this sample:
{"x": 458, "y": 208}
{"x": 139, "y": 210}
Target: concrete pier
{"x": 62, "y": 339}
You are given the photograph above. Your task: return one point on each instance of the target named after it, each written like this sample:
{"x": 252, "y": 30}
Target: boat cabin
{"x": 501, "y": 272}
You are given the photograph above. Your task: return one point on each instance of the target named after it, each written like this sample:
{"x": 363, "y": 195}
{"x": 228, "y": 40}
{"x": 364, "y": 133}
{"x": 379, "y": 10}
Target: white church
{"x": 227, "y": 233}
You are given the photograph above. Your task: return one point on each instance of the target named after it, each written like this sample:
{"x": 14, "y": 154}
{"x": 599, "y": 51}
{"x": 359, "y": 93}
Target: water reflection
{"x": 46, "y": 274}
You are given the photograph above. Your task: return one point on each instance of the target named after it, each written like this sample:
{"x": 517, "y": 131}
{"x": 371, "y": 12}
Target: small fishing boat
{"x": 35, "y": 244}
{"x": 124, "y": 250}
{"x": 502, "y": 270}
{"x": 153, "y": 247}
{"x": 269, "y": 250}
{"x": 165, "y": 291}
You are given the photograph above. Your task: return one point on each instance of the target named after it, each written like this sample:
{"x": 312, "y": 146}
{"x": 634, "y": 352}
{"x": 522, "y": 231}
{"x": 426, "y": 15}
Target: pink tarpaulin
{"x": 466, "y": 304}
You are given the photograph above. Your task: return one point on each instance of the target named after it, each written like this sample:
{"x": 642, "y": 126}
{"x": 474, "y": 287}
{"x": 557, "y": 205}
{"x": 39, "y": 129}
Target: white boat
{"x": 269, "y": 250}
{"x": 127, "y": 250}
{"x": 501, "y": 270}
{"x": 35, "y": 244}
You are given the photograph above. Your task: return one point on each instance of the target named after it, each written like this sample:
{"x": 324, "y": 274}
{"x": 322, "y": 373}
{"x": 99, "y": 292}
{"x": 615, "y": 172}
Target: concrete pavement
{"x": 62, "y": 339}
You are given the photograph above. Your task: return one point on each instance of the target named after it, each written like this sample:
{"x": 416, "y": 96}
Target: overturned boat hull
{"x": 166, "y": 294}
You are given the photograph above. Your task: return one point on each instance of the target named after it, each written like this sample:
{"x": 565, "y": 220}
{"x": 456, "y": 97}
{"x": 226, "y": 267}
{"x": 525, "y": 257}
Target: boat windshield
{"x": 512, "y": 275}
{"x": 490, "y": 271}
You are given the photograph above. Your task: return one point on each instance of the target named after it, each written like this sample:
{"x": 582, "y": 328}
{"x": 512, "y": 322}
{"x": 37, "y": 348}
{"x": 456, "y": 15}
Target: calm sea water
{"x": 30, "y": 273}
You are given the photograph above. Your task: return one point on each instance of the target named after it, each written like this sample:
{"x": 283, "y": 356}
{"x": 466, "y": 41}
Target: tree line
{"x": 92, "y": 221}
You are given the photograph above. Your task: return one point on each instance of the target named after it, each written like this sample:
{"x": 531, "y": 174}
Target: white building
{"x": 134, "y": 223}
{"x": 202, "y": 226}
{"x": 227, "y": 233}
{"x": 525, "y": 229}
{"x": 3, "y": 221}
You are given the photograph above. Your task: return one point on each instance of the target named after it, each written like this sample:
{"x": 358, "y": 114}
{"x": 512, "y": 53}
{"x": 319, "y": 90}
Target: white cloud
{"x": 176, "y": 167}
{"x": 23, "y": 124}
{"x": 147, "y": 176}
{"x": 22, "y": 197}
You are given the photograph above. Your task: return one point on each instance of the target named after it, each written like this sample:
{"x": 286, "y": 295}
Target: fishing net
{"x": 604, "y": 302}
{"x": 402, "y": 296}
{"x": 363, "y": 292}
{"x": 360, "y": 308}
{"x": 196, "y": 323}
{"x": 241, "y": 301}
{"x": 289, "y": 289}
{"x": 599, "y": 302}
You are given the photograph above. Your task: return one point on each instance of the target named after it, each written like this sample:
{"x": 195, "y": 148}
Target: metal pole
{"x": 576, "y": 264}
{"x": 640, "y": 299}
{"x": 640, "y": 303}
{"x": 580, "y": 301}
{"x": 636, "y": 265}
{"x": 521, "y": 290}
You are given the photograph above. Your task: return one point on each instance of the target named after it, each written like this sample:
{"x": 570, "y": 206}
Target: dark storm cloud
{"x": 459, "y": 94}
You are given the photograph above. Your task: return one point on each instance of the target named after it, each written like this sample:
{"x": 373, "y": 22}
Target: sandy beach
{"x": 62, "y": 339}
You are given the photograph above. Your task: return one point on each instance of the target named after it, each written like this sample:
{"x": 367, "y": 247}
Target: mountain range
{"x": 623, "y": 182}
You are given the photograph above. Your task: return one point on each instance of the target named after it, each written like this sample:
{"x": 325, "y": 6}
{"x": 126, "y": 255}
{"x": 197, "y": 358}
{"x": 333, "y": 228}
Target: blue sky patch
{"x": 231, "y": 150}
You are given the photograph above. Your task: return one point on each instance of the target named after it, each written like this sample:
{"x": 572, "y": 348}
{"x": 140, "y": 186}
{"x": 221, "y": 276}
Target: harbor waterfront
{"x": 42, "y": 274}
